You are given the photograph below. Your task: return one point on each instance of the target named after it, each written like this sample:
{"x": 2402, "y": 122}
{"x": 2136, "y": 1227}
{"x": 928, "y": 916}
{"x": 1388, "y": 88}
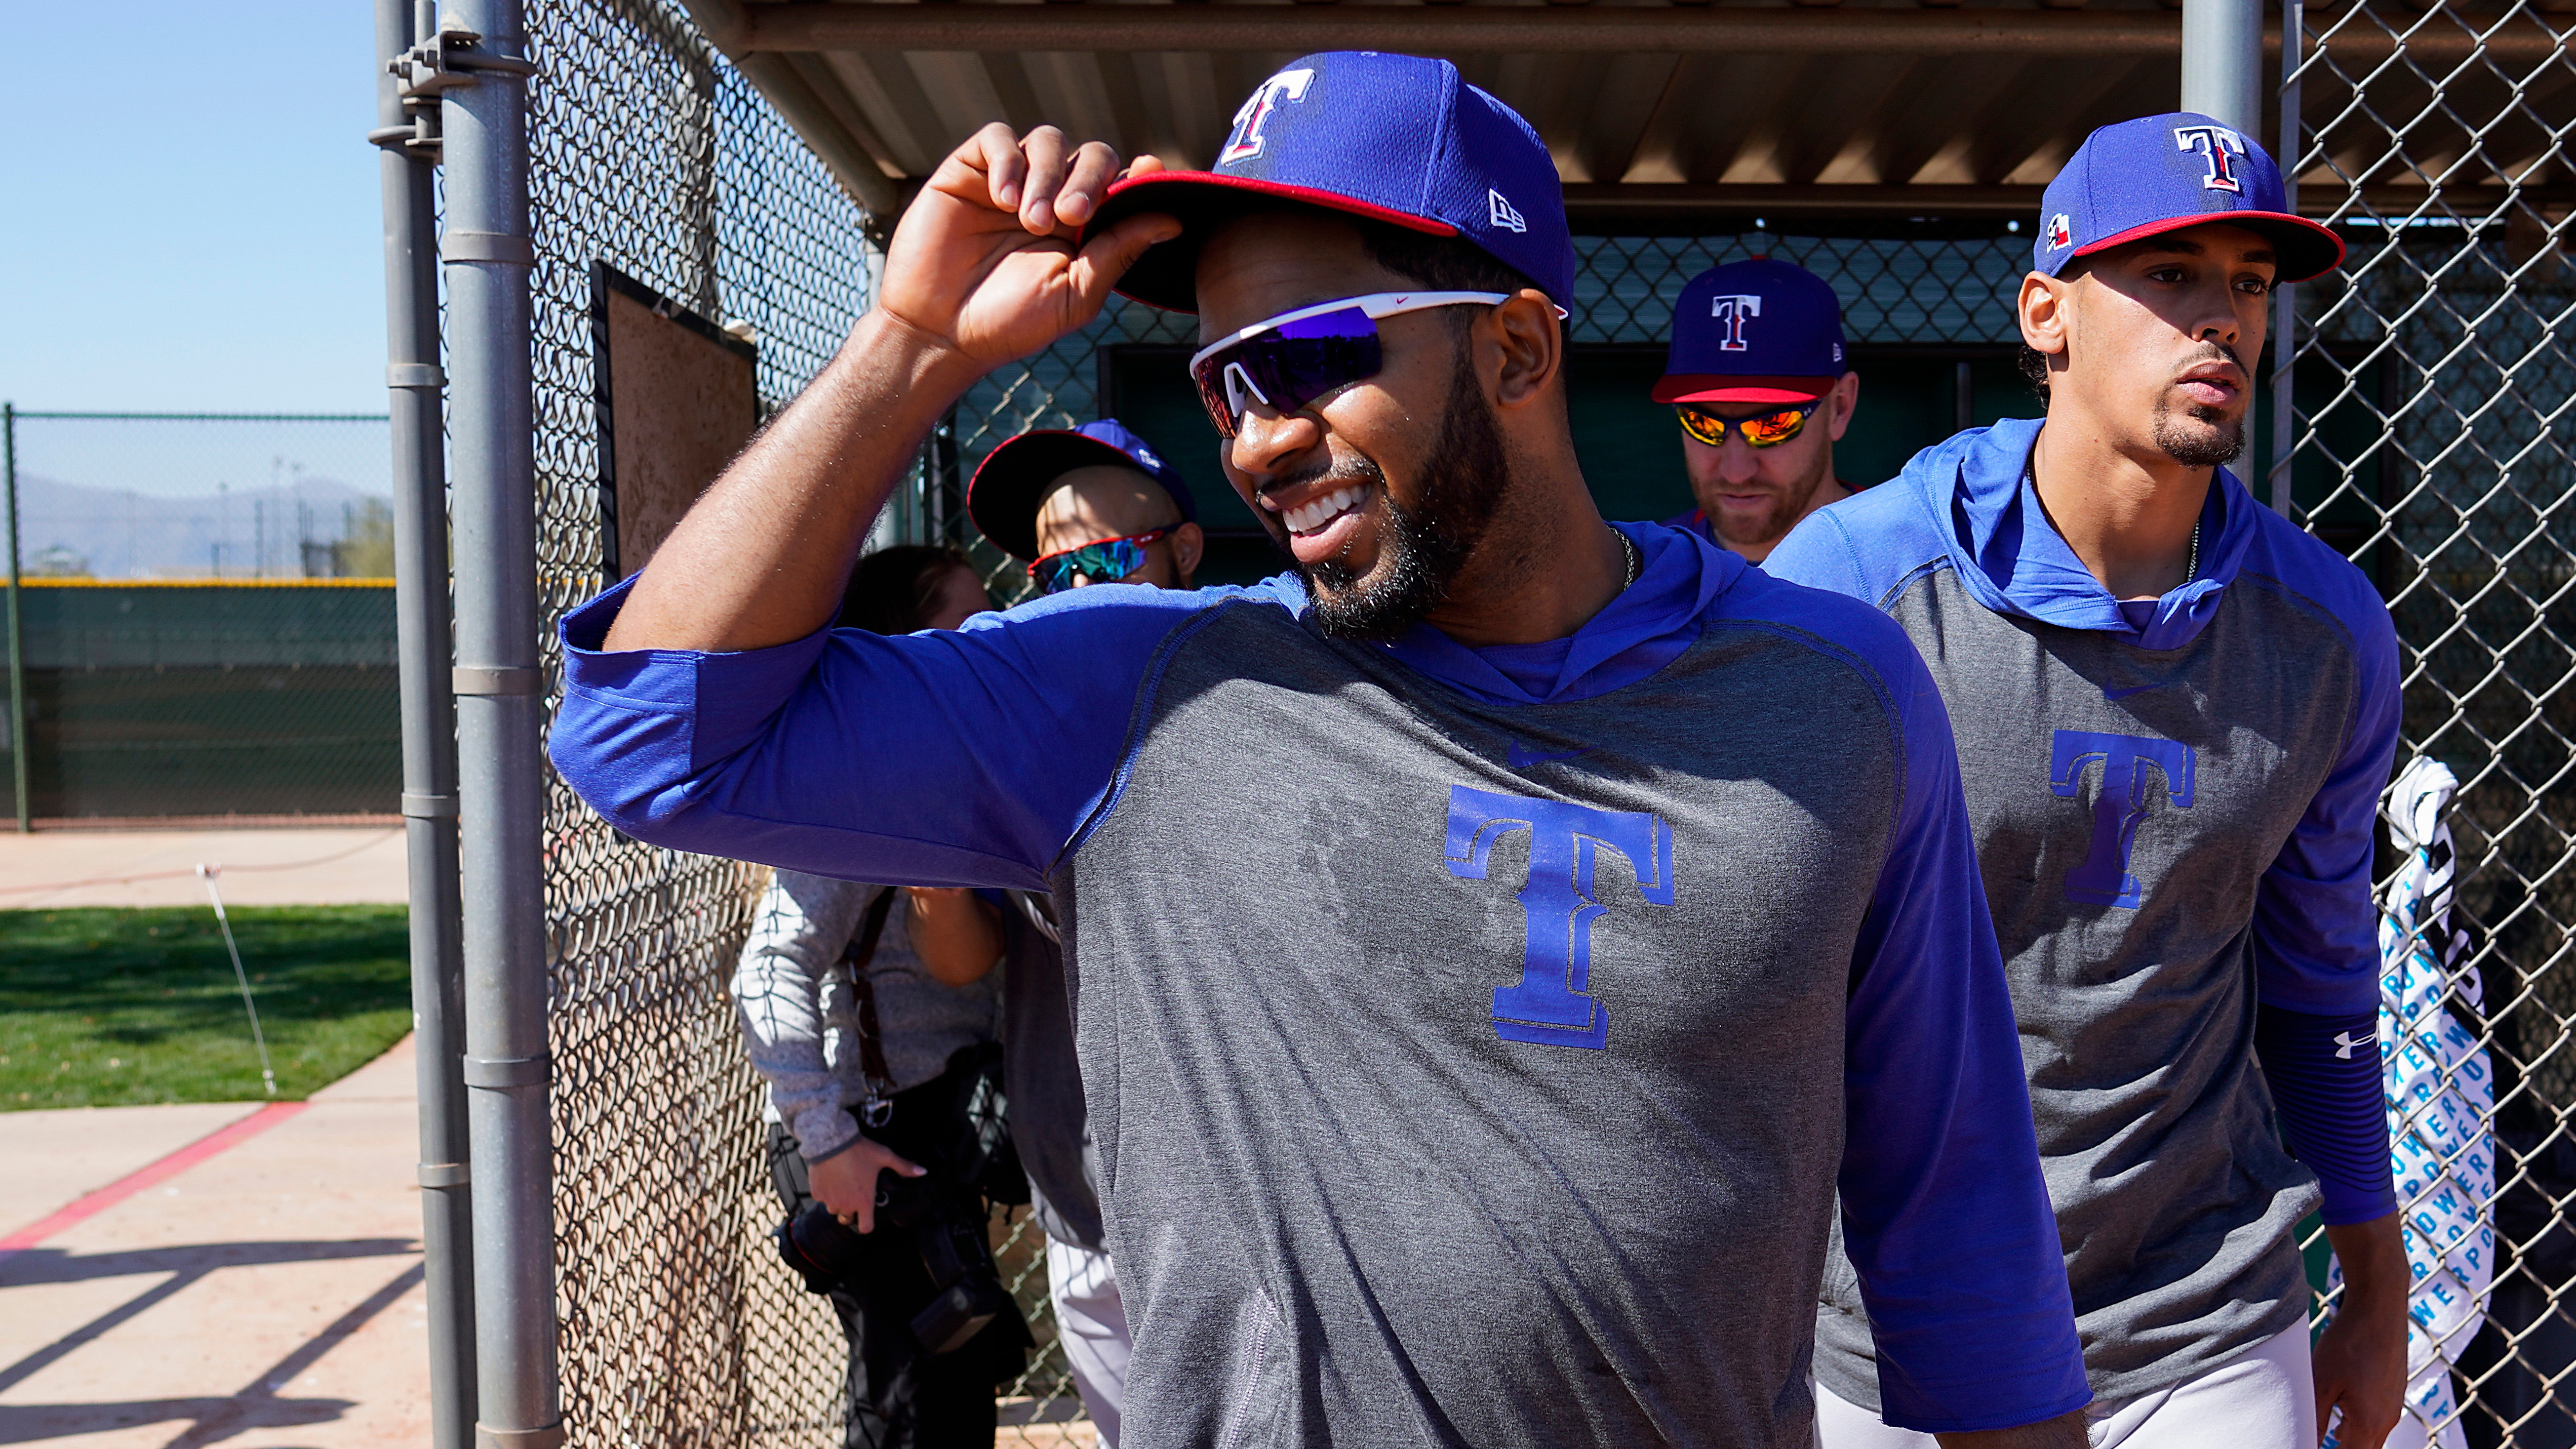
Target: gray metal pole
{"x": 414, "y": 387}
{"x": 488, "y": 254}
{"x": 2222, "y": 61}
{"x": 2285, "y": 299}
{"x": 17, "y": 635}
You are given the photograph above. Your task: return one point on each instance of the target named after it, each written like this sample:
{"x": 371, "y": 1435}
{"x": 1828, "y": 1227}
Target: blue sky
{"x": 188, "y": 208}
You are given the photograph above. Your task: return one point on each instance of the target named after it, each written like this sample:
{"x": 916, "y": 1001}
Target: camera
{"x": 945, "y": 1227}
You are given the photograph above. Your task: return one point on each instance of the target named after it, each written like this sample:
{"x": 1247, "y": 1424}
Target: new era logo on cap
{"x": 2156, "y": 174}
{"x": 1400, "y": 139}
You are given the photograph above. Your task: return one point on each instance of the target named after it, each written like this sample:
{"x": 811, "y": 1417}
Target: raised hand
{"x": 984, "y": 262}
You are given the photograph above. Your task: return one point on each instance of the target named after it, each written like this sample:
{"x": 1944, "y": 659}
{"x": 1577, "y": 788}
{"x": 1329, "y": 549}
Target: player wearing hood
{"x": 2175, "y": 712}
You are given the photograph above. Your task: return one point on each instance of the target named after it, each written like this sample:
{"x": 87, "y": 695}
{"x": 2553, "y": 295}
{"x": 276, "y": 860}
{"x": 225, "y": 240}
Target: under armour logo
{"x": 1733, "y": 311}
{"x": 1553, "y": 1005}
{"x": 2218, "y": 148}
{"x": 2347, "y": 1041}
{"x": 1503, "y": 214}
{"x": 1245, "y": 141}
{"x": 2103, "y": 877}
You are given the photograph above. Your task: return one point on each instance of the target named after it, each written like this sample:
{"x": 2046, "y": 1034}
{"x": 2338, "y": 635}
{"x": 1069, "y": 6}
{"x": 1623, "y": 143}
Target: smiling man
{"x": 1474, "y": 1038}
{"x": 2175, "y": 714}
{"x": 1757, "y": 375}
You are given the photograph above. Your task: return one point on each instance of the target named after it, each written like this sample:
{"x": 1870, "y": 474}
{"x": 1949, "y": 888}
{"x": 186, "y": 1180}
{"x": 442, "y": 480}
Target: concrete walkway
{"x": 320, "y": 866}
{"x": 266, "y": 1295}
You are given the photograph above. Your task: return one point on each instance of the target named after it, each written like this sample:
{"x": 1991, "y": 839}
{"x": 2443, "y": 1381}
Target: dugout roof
{"x": 1661, "y": 115}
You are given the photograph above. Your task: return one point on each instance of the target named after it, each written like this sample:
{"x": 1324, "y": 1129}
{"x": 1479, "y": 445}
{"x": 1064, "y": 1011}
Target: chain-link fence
{"x": 2436, "y": 377}
{"x": 680, "y": 1326}
{"x": 206, "y": 625}
{"x": 2431, "y": 417}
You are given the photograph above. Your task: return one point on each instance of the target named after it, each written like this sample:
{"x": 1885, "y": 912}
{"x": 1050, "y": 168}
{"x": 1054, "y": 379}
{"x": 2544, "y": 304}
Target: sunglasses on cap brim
{"x": 1105, "y": 561}
{"x": 1765, "y": 430}
{"x": 1290, "y": 360}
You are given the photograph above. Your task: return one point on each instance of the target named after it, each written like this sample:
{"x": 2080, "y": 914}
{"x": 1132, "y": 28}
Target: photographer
{"x": 872, "y": 1014}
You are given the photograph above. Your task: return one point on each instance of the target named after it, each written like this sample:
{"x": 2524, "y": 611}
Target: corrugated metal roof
{"x": 1657, "y": 113}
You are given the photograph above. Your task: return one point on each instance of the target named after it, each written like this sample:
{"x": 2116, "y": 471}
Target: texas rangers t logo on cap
{"x": 1245, "y": 142}
{"x": 2215, "y": 144}
{"x": 1733, "y": 311}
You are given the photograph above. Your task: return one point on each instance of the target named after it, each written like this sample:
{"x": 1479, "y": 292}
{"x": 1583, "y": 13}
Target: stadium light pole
{"x": 482, "y": 76}
{"x": 407, "y": 140}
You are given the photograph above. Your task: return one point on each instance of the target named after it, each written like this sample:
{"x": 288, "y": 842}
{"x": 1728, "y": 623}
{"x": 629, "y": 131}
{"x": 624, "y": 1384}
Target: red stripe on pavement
{"x": 161, "y": 1171}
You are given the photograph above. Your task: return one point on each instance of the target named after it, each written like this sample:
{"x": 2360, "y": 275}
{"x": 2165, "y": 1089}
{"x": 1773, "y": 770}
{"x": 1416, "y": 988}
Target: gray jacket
{"x": 800, "y": 1016}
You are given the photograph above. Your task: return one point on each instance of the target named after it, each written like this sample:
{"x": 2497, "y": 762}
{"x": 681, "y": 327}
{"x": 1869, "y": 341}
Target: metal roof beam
{"x": 1477, "y": 29}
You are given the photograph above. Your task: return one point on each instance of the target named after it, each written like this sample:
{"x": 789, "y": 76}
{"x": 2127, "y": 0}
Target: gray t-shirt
{"x": 1360, "y": 1195}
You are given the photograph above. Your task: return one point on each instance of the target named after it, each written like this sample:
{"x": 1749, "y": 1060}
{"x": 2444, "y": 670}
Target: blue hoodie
{"x": 2173, "y": 803}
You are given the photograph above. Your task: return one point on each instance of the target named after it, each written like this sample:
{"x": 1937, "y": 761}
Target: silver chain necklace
{"x": 2191, "y": 570}
{"x": 1637, "y": 563}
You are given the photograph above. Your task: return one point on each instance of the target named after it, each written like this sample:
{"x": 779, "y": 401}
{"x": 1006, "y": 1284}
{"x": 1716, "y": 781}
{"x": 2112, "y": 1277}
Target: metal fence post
{"x": 2285, "y": 299}
{"x": 487, "y": 252}
{"x": 17, "y": 634}
{"x": 2222, "y": 61}
{"x": 408, "y": 156}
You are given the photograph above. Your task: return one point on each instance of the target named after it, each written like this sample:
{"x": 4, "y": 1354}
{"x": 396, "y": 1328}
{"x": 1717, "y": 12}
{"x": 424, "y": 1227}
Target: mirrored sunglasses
{"x": 1296, "y": 357}
{"x": 1106, "y": 561}
{"x": 1769, "y": 430}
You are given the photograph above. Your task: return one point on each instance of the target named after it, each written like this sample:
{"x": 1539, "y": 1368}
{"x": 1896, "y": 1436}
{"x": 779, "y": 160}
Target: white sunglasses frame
{"x": 1373, "y": 305}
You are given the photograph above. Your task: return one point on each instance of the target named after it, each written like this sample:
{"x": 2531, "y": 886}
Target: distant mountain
{"x": 282, "y": 532}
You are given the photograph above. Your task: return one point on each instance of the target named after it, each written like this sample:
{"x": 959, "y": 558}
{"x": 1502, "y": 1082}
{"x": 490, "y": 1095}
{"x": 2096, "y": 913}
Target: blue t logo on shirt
{"x": 2103, "y": 879}
{"x": 1552, "y": 1005}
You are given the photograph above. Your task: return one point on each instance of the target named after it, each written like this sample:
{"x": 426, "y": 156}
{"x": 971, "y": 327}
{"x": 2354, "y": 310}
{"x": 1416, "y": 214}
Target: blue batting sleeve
{"x": 946, "y": 758}
{"x": 2324, "y": 1072}
{"x": 2316, "y": 929}
{"x": 1945, "y": 1213}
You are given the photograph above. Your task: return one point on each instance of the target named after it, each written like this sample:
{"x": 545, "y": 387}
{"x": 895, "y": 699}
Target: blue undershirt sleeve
{"x": 2316, "y": 952}
{"x": 1945, "y": 1212}
{"x": 947, "y": 758}
{"x": 2324, "y": 1072}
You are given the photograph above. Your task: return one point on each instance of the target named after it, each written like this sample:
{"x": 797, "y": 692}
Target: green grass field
{"x": 105, "y": 1008}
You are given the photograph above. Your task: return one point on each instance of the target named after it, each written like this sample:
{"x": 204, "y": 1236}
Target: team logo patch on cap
{"x": 1502, "y": 212}
{"x": 1244, "y": 142}
{"x": 2218, "y": 147}
{"x": 2061, "y": 233}
{"x": 1733, "y": 311}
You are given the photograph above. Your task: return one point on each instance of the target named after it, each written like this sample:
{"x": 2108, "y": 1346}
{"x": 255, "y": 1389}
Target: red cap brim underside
{"x": 2269, "y": 221}
{"x": 1716, "y": 388}
{"x": 1186, "y": 195}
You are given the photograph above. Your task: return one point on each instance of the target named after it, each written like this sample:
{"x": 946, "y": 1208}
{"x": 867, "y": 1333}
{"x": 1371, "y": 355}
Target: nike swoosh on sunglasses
{"x": 1292, "y": 359}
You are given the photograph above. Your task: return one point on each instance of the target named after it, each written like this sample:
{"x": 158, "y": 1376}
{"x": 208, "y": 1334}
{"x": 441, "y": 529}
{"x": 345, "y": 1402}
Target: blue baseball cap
{"x": 1396, "y": 138}
{"x": 2157, "y": 174}
{"x": 1013, "y": 479}
{"x": 1758, "y": 331}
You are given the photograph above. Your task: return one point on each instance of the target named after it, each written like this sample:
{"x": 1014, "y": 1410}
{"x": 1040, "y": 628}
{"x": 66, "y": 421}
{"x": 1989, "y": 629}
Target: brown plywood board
{"x": 678, "y": 398}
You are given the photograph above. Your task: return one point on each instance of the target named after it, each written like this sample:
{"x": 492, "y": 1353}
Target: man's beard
{"x": 1421, "y": 550}
{"x": 1786, "y": 510}
{"x": 2191, "y": 447}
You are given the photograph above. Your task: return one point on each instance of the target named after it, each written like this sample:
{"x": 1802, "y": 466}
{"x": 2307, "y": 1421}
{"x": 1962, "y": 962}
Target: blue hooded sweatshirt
{"x": 2173, "y": 804}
